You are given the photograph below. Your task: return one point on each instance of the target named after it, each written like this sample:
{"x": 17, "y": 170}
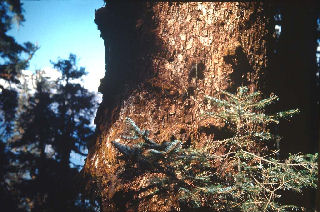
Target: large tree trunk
{"x": 161, "y": 60}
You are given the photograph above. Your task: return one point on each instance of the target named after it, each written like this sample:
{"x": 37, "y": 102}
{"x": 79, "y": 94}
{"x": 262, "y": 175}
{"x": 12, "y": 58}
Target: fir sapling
{"x": 250, "y": 177}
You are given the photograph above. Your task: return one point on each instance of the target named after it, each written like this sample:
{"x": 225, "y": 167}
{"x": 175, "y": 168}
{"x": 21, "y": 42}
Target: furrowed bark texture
{"x": 161, "y": 60}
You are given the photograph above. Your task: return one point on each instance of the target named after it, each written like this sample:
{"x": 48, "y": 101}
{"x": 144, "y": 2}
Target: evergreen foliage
{"x": 50, "y": 123}
{"x": 74, "y": 108}
{"x": 30, "y": 163}
{"x": 14, "y": 57}
{"x": 240, "y": 173}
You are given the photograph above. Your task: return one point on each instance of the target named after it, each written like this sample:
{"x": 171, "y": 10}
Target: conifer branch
{"x": 250, "y": 177}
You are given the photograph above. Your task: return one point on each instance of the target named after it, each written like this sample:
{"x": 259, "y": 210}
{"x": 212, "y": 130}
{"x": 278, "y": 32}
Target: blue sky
{"x": 61, "y": 27}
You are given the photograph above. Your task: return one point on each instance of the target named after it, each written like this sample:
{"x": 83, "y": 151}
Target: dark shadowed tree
{"x": 74, "y": 107}
{"x": 8, "y": 200}
{"x": 42, "y": 181}
{"x": 13, "y": 58}
{"x": 34, "y": 130}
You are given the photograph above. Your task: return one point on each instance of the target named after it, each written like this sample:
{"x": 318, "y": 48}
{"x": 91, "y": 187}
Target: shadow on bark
{"x": 241, "y": 69}
{"x": 129, "y": 31}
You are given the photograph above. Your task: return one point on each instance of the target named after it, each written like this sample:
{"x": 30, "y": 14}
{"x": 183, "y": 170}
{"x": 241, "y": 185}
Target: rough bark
{"x": 161, "y": 59}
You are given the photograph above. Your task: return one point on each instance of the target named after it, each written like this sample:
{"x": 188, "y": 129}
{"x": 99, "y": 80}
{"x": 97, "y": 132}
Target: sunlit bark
{"x": 161, "y": 60}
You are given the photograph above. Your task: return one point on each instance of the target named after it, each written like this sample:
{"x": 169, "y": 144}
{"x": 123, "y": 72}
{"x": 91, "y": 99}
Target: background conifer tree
{"x": 57, "y": 116}
{"x": 14, "y": 58}
{"x": 75, "y": 107}
{"x": 35, "y": 133}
